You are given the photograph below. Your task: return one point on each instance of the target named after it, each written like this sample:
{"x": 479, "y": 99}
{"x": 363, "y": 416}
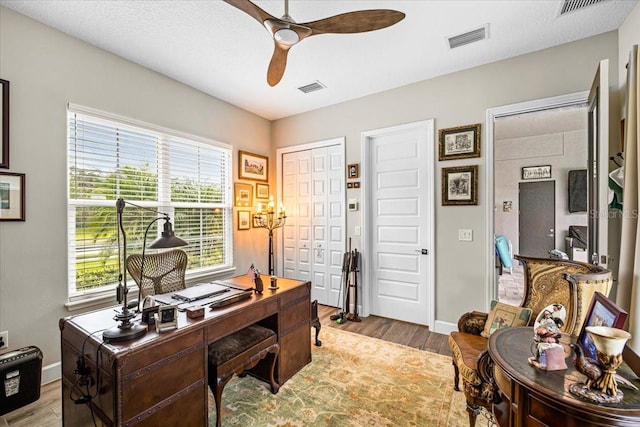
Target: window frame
{"x": 82, "y": 298}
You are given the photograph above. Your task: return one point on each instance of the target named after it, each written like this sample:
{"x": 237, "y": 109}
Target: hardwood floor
{"x": 409, "y": 334}
{"x": 47, "y": 411}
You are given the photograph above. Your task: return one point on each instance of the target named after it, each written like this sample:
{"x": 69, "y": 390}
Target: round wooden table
{"x": 535, "y": 397}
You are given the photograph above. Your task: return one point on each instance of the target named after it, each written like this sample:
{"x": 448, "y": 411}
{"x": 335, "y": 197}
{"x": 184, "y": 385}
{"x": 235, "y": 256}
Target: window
{"x": 187, "y": 177}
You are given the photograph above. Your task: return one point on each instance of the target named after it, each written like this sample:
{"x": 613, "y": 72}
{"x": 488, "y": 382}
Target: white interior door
{"x": 400, "y": 222}
{"x": 296, "y": 197}
{"x": 313, "y": 182}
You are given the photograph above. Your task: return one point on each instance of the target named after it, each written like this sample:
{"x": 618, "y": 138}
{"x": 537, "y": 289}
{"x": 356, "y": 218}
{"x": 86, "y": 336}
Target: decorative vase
{"x": 609, "y": 344}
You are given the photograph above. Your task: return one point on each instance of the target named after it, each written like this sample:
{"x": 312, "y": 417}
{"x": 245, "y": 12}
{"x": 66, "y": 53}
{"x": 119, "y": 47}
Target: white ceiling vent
{"x": 573, "y": 5}
{"x": 312, "y": 87}
{"x": 469, "y": 37}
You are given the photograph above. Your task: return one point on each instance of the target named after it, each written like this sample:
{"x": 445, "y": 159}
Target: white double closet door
{"x": 313, "y": 240}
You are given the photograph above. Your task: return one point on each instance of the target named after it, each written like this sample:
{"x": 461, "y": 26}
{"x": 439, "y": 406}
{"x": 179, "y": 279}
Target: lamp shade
{"x": 168, "y": 239}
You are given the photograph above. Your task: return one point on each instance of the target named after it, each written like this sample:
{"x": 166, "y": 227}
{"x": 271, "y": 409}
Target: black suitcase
{"x": 20, "y": 374}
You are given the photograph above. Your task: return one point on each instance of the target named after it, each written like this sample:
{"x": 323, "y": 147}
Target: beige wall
{"x": 628, "y": 35}
{"x": 47, "y": 69}
{"x": 453, "y": 100}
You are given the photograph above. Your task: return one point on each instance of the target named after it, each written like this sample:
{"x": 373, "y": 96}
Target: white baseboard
{"x": 445, "y": 327}
{"x": 51, "y": 373}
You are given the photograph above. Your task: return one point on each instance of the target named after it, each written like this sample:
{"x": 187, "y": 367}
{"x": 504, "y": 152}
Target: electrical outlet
{"x": 4, "y": 339}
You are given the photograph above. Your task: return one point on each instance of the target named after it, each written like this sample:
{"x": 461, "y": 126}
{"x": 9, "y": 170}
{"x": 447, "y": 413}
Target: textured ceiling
{"x": 219, "y": 50}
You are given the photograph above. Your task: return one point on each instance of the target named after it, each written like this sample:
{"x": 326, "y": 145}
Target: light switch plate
{"x": 465, "y": 235}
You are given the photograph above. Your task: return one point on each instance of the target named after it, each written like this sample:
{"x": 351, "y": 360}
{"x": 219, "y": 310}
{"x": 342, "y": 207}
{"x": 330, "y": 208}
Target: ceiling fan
{"x": 286, "y": 32}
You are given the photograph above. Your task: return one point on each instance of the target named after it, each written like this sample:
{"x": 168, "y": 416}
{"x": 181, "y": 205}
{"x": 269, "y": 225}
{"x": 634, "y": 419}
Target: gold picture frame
{"x": 262, "y": 191}
{"x": 460, "y": 142}
{"x": 253, "y": 166}
{"x": 244, "y": 220}
{"x": 460, "y": 185}
{"x": 243, "y": 195}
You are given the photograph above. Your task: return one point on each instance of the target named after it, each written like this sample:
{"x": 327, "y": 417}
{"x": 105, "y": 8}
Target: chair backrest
{"x": 163, "y": 272}
{"x": 549, "y": 281}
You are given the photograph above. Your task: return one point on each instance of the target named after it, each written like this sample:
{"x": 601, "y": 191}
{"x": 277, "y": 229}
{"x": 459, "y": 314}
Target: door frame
{"x": 569, "y": 100}
{"x": 280, "y": 152}
{"x": 367, "y": 210}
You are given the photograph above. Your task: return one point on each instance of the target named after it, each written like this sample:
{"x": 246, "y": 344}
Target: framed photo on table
{"x": 460, "y": 142}
{"x": 12, "y": 196}
{"x": 602, "y": 312}
{"x": 253, "y": 166}
{"x": 460, "y": 185}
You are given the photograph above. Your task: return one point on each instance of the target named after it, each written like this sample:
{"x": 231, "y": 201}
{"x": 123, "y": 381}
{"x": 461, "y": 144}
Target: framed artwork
{"x": 460, "y": 185}
{"x": 4, "y": 124}
{"x": 256, "y": 221}
{"x": 536, "y": 172}
{"x": 602, "y": 312}
{"x": 461, "y": 142}
{"x": 252, "y": 166}
{"x": 353, "y": 170}
{"x": 262, "y": 191}
{"x": 243, "y": 195}
{"x": 244, "y": 218}
{"x": 12, "y": 196}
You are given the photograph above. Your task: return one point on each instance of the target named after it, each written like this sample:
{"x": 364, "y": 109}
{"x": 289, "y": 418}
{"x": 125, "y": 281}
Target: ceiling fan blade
{"x": 251, "y": 9}
{"x": 356, "y": 22}
{"x": 277, "y": 64}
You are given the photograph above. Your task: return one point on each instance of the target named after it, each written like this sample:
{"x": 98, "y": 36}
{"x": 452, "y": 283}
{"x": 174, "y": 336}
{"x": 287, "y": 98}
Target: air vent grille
{"x": 312, "y": 87}
{"x": 573, "y": 5}
{"x": 469, "y": 37}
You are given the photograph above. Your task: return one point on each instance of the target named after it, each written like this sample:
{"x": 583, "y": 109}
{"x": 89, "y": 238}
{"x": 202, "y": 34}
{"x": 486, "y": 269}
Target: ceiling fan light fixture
{"x": 286, "y": 36}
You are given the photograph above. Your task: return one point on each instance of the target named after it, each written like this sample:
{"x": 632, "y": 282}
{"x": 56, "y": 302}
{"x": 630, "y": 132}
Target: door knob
{"x": 423, "y": 251}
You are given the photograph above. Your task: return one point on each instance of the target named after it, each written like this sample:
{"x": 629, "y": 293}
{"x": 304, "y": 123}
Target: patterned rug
{"x": 352, "y": 380}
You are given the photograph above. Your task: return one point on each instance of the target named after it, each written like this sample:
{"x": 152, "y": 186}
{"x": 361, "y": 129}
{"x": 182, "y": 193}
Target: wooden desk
{"x": 162, "y": 379}
{"x": 533, "y": 397}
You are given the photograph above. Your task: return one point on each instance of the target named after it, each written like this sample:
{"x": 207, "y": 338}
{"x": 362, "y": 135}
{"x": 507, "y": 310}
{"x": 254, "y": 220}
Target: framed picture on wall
{"x": 460, "y": 142}
{"x": 12, "y": 196}
{"x": 4, "y": 124}
{"x": 353, "y": 170}
{"x": 243, "y": 195}
{"x": 262, "y": 191}
{"x": 252, "y": 166}
{"x": 460, "y": 185}
{"x": 536, "y": 172}
{"x": 244, "y": 218}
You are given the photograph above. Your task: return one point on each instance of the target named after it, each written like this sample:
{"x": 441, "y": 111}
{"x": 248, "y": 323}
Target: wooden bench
{"x": 238, "y": 352}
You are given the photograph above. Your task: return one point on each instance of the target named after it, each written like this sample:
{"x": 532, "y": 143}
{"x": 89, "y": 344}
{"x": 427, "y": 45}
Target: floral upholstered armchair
{"x": 546, "y": 282}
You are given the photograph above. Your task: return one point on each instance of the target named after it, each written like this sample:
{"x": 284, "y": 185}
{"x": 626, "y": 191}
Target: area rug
{"x": 352, "y": 380}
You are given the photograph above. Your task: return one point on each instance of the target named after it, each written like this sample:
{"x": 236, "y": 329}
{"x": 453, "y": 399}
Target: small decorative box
{"x": 195, "y": 312}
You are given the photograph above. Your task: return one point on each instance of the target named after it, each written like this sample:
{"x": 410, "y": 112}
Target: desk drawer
{"x": 294, "y": 314}
{"x": 242, "y": 319}
{"x": 503, "y": 381}
{"x": 291, "y": 295}
{"x": 171, "y": 371}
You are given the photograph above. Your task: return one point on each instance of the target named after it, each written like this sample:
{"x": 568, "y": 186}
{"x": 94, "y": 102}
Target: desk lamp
{"x": 128, "y": 330}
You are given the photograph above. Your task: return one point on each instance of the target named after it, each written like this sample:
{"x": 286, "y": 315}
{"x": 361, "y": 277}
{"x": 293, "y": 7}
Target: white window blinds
{"x": 187, "y": 177}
